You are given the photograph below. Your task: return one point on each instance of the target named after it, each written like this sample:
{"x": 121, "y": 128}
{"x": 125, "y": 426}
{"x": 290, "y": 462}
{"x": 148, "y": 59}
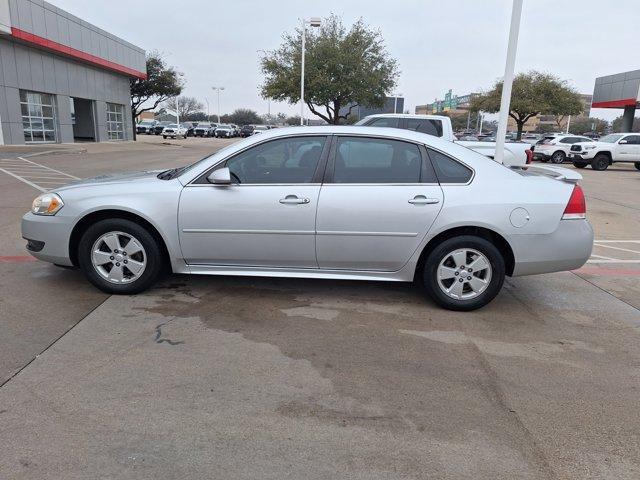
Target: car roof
{"x": 405, "y": 115}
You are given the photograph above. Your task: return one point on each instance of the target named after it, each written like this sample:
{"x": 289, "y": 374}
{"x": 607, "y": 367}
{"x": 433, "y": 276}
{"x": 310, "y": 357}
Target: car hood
{"x": 597, "y": 144}
{"x": 112, "y": 178}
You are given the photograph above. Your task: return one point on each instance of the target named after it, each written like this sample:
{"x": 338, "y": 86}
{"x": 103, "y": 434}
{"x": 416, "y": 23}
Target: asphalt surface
{"x": 245, "y": 378}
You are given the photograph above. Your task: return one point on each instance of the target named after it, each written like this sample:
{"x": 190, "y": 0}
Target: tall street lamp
{"x": 218, "y": 89}
{"x": 313, "y": 22}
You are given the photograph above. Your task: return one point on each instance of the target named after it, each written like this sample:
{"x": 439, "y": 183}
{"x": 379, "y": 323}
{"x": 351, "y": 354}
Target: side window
{"x": 633, "y": 139}
{"x": 448, "y": 170}
{"x": 384, "y": 122}
{"x": 567, "y": 140}
{"x": 430, "y": 127}
{"x": 374, "y": 160}
{"x": 286, "y": 160}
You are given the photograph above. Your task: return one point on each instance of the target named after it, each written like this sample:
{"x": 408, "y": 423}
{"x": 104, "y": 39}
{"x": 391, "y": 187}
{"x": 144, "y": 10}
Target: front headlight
{"x": 47, "y": 204}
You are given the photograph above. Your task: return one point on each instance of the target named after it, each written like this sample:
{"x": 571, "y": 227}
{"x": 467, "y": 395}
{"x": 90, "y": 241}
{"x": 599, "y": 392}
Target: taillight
{"x": 529, "y": 155}
{"x": 577, "y": 206}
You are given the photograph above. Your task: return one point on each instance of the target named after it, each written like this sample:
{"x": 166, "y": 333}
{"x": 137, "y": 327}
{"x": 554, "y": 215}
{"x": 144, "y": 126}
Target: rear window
{"x": 431, "y": 127}
{"x": 449, "y": 170}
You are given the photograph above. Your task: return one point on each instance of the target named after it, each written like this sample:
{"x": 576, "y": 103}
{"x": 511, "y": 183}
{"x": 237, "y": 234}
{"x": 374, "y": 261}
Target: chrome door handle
{"x": 293, "y": 200}
{"x": 422, "y": 200}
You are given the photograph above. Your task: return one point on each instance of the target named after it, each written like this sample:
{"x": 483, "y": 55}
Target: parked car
{"x": 331, "y": 202}
{"x": 616, "y": 147}
{"x": 146, "y": 127}
{"x": 173, "y": 130}
{"x": 212, "y": 129}
{"x": 515, "y": 153}
{"x": 236, "y": 129}
{"x": 223, "y": 131}
{"x": 556, "y": 148}
{"x": 202, "y": 130}
{"x": 246, "y": 131}
{"x": 157, "y": 130}
{"x": 190, "y": 128}
{"x": 260, "y": 129}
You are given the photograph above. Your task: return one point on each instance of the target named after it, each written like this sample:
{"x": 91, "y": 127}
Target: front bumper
{"x": 568, "y": 248}
{"x": 54, "y": 232}
{"x": 537, "y": 155}
{"x": 583, "y": 155}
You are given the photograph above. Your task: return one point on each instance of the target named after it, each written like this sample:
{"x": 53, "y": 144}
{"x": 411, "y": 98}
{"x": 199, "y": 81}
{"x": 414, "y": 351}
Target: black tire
{"x": 185, "y": 137}
{"x": 558, "y": 157}
{"x": 544, "y": 160}
{"x": 580, "y": 164}
{"x": 600, "y": 162}
{"x": 164, "y": 136}
{"x": 637, "y": 165}
{"x": 443, "y": 250}
{"x": 153, "y": 253}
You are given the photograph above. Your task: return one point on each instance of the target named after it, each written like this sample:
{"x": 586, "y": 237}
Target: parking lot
{"x": 244, "y": 378}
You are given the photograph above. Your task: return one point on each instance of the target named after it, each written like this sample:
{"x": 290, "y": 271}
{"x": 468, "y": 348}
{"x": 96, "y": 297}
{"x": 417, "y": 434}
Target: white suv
{"x": 556, "y": 147}
{"x": 616, "y": 147}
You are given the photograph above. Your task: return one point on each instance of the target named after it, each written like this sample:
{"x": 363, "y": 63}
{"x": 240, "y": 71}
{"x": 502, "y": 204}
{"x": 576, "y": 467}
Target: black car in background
{"x": 247, "y": 131}
{"x": 157, "y": 130}
{"x": 190, "y": 128}
{"x": 146, "y": 127}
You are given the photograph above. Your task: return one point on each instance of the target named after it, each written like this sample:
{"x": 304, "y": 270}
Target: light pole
{"x": 395, "y": 102}
{"x": 507, "y": 84}
{"x": 218, "y": 89}
{"x": 313, "y": 22}
{"x": 207, "y": 100}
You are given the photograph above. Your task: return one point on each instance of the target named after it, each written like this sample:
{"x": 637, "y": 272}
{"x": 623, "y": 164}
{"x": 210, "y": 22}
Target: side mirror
{"x": 221, "y": 176}
{"x": 622, "y": 142}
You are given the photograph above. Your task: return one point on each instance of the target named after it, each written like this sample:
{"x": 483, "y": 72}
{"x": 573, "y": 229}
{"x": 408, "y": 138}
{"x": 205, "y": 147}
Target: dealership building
{"x": 62, "y": 80}
{"x": 622, "y": 91}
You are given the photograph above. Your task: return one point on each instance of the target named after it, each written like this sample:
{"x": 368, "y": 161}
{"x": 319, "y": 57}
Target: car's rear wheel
{"x": 580, "y": 164}
{"x": 637, "y": 165}
{"x": 119, "y": 256}
{"x": 600, "y": 162}
{"x": 464, "y": 273}
{"x": 558, "y": 157}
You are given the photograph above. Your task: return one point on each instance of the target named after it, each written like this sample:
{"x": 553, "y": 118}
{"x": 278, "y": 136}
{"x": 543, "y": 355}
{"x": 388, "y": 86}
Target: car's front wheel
{"x": 464, "y": 273}
{"x": 637, "y": 165}
{"x": 600, "y": 162}
{"x": 120, "y": 256}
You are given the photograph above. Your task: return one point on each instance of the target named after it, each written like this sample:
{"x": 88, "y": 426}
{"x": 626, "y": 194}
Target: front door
{"x": 378, "y": 202}
{"x": 267, "y": 217}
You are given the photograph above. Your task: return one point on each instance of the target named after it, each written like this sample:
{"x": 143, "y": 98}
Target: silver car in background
{"x": 358, "y": 203}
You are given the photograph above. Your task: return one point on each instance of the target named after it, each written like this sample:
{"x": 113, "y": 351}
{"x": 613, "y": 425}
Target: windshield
{"x": 260, "y": 127}
{"x": 204, "y": 125}
{"x": 610, "y": 138}
{"x": 173, "y": 125}
{"x": 147, "y": 122}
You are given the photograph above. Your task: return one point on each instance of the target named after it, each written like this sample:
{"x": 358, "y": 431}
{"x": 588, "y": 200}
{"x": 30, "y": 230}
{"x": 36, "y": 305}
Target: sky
{"x": 440, "y": 45}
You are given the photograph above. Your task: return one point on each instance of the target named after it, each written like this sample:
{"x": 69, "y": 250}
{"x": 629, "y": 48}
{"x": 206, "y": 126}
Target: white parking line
{"x": 606, "y": 244}
{"x": 38, "y": 176}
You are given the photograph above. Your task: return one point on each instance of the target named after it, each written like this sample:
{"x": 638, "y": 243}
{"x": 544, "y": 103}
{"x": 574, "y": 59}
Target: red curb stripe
{"x": 17, "y": 259}
{"x": 72, "y": 52}
{"x": 609, "y": 272}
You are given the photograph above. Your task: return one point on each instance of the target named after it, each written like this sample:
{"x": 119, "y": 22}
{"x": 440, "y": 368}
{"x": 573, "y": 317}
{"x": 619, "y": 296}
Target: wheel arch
{"x": 605, "y": 153}
{"x": 92, "y": 217}
{"x": 491, "y": 235}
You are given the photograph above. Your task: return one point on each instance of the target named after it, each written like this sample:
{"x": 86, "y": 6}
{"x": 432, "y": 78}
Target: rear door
{"x": 629, "y": 152}
{"x": 379, "y": 199}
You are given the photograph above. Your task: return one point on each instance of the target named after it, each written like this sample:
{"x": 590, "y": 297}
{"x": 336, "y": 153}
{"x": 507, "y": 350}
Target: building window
{"x": 38, "y": 117}
{"x": 115, "y": 121}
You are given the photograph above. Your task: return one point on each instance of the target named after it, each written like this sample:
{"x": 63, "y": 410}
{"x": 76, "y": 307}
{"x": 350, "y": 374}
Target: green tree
{"x": 293, "y": 120}
{"x": 244, "y": 116}
{"x": 162, "y": 83}
{"x": 583, "y": 125}
{"x": 343, "y": 69}
{"x": 616, "y": 125}
{"x": 533, "y": 93}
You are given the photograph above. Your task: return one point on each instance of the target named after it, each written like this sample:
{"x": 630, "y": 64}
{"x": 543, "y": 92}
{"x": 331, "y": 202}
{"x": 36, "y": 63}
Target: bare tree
{"x": 186, "y": 106}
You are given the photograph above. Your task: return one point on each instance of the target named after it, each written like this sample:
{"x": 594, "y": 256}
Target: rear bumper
{"x": 51, "y": 234}
{"x": 568, "y": 248}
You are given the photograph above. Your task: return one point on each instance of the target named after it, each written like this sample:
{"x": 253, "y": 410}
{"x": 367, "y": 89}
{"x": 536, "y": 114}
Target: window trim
{"x": 447, "y": 184}
{"x": 317, "y": 175}
{"x": 330, "y": 168}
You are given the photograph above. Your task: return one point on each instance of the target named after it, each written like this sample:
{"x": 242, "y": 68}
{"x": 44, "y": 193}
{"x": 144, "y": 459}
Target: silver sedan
{"x": 358, "y": 203}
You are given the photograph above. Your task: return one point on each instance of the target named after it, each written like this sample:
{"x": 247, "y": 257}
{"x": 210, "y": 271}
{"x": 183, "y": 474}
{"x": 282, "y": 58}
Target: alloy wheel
{"x": 118, "y": 257}
{"x": 464, "y": 274}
